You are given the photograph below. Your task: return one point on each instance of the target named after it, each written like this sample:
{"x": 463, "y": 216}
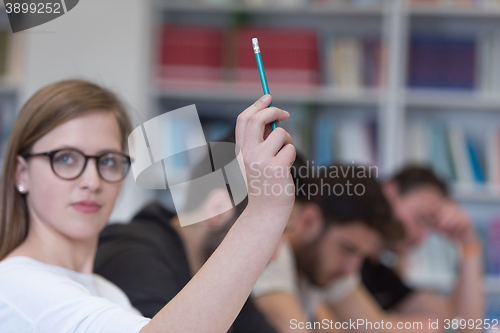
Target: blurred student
{"x": 63, "y": 166}
{"x": 421, "y": 202}
{"x": 154, "y": 241}
{"x": 316, "y": 274}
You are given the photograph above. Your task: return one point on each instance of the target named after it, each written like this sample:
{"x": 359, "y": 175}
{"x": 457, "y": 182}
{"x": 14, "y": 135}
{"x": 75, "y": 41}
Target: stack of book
{"x": 466, "y": 158}
{"x": 11, "y": 57}
{"x": 212, "y": 54}
{"x": 442, "y": 62}
{"x": 290, "y": 56}
{"x": 190, "y": 53}
{"x": 465, "y": 63}
{"x": 194, "y": 54}
{"x": 488, "y": 54}
{"x": 354, "y": 63}
{"x": 488, "y": 229}
{"x": 344, "y": 139}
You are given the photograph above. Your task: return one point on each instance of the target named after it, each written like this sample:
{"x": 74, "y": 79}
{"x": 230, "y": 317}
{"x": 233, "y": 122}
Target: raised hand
{"x": 267, "y": 156}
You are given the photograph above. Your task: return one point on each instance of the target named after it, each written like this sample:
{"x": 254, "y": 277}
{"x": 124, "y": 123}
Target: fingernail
{"x": 266, "y": 98}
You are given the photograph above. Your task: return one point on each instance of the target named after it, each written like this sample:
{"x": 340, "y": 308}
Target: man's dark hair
{"x": 368, "y": 206}
{"x": 413, "y": 177}
{"x": 365, "y": 202}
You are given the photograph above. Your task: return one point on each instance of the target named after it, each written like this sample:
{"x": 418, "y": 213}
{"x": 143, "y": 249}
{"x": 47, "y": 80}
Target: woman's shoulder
{"x": 30, "y": 287}
{"x": 27, "y": 277}
{"x": 43, "y": 295}
{"x": 19, "y": 267}
{"x": 24, "y": 277}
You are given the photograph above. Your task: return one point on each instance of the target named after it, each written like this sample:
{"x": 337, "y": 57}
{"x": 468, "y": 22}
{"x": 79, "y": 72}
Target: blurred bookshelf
{"x": 298, "y": 43}
{"x": 453, "y": 81}
{"x": 436, "y": 100}
{"x": 347, "y": 55}
{"x": 359, "y": 82}
{"x": 315, "y": 96}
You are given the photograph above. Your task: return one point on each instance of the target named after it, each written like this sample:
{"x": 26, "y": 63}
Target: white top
{"x": 281, "y": 275}
{"x": 36, "y": 297}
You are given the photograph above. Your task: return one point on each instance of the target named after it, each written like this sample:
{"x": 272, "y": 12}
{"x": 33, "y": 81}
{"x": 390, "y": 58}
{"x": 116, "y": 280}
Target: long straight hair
{"x": 46, "y": 109}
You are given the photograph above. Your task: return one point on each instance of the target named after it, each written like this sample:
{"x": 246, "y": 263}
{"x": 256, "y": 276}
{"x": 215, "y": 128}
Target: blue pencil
{"x": 260, "y": 65}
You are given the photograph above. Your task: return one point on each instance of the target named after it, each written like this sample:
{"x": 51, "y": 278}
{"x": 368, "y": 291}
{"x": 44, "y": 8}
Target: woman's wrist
{"x": 472, "y": 249}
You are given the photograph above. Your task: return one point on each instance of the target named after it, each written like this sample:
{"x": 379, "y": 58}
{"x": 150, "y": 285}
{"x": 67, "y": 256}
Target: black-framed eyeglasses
{"x": 70, "y": 163}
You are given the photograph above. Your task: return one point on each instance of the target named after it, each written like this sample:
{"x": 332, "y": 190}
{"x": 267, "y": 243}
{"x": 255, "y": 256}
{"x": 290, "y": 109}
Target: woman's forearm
{"x": 468, "y": 298}
{"x": 213, "y": 298}
{"x": 215, "y": 295}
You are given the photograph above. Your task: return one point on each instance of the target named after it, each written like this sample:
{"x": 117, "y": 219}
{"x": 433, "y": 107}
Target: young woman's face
{"x": 75, "y": 209}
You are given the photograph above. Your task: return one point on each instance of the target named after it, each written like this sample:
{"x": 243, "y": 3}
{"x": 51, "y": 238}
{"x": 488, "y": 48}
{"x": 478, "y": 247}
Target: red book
{"x": 191, "y": 53}
{"x": 290, "y": 56}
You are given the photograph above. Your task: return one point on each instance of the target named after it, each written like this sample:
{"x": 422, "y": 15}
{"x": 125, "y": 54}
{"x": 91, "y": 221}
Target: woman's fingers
{"x": 244, "y": 117}
{"x": 276, "y": 140}
{"x": 287, "y": 154}
{"x": 269, "y": 129}
{"x": 257, "y": 122}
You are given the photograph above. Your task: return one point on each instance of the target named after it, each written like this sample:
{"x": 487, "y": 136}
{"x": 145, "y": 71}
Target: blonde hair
{"x": 45, "y": 110}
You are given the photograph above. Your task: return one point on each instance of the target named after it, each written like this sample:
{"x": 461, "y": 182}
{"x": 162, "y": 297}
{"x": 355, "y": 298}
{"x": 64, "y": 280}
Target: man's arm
{"x": 424, "y": 302}
{"x": 467, "y": 301}
{"x": 468, "y": 298}
{"x": 282, "y": 310}
{"x": 361, "y": 305}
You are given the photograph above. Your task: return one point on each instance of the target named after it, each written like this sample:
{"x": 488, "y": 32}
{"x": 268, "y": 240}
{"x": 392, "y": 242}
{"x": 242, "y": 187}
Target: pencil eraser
{"x": 255, "y": 44}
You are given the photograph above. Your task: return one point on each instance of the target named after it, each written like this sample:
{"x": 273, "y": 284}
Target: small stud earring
{"x": 21, "y": 188}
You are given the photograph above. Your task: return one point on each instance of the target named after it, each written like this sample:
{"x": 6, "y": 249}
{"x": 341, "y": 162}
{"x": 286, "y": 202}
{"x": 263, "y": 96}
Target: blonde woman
{"x": 63, "y": 167}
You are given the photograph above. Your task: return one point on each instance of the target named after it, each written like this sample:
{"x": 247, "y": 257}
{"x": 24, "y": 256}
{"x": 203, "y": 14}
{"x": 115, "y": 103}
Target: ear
{"x": 310, "y": 222}
{"x": 22, "y": 173}
{"x": 391, "y": 190}
{"x": 218, "y": 206}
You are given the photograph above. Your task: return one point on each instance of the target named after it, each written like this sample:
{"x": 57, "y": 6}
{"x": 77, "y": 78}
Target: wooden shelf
{"x": 332, "y": 10}
{"x": 454, "y": 11}
{"x": 452, "y": 99}
{"x": 231, "y": 93}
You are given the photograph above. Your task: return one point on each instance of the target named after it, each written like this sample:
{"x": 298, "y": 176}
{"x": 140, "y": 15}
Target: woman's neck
{"x": 56, "y": 249}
